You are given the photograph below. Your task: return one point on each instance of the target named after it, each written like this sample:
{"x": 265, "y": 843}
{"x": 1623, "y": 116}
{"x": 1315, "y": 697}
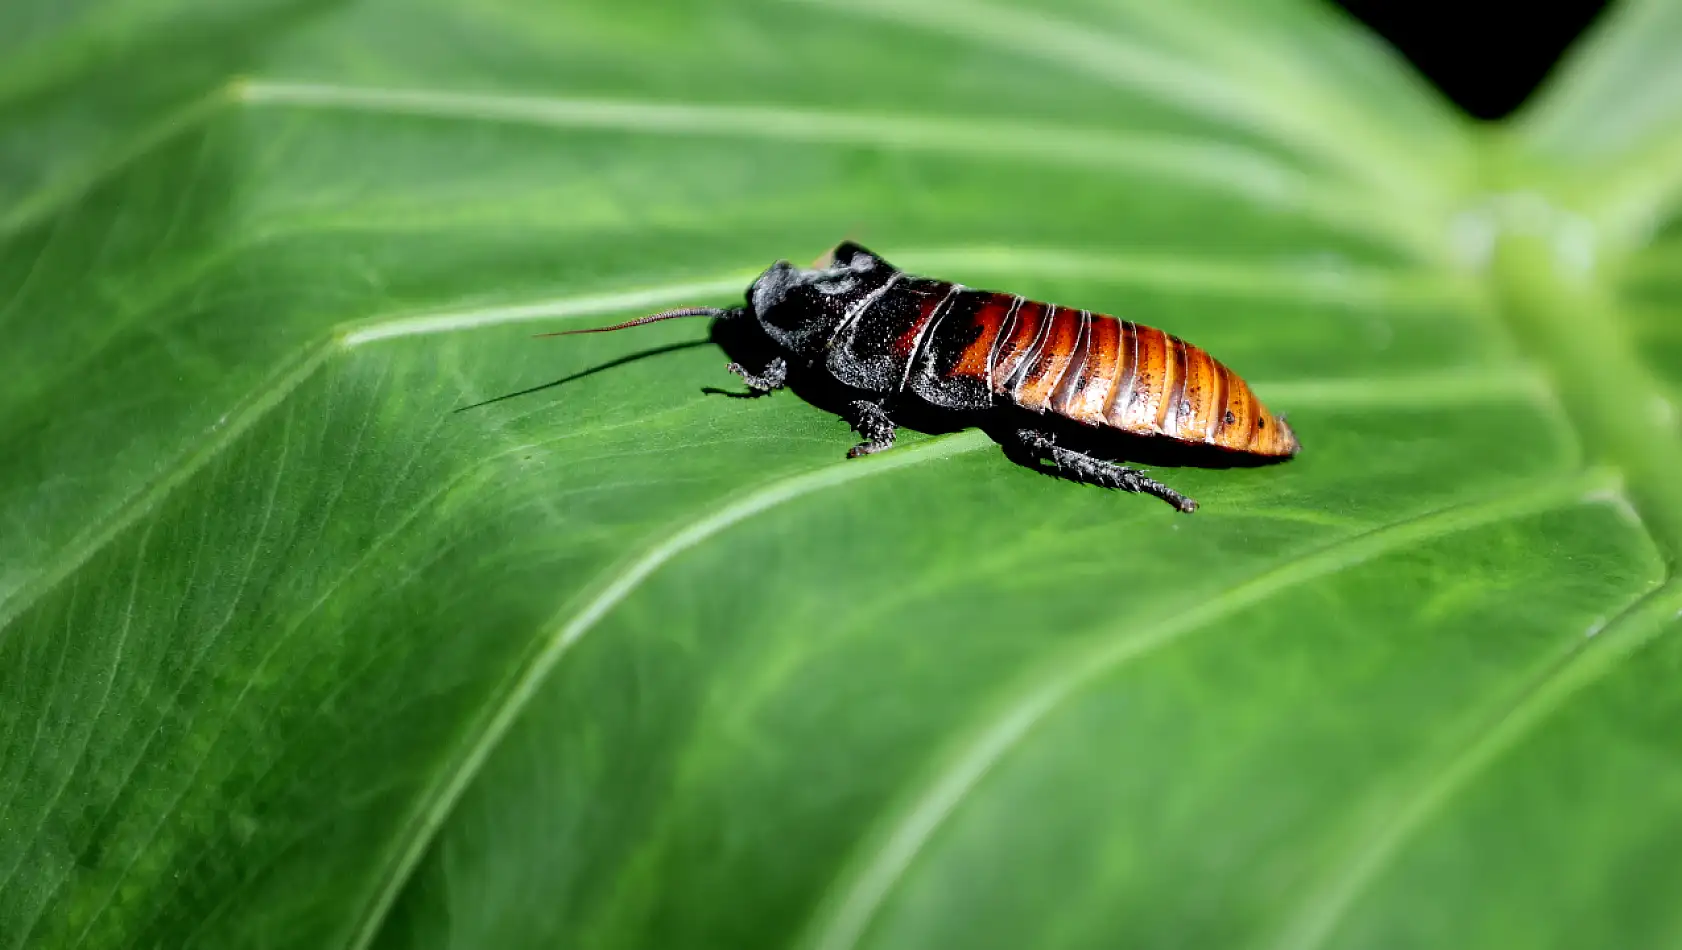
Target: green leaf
{"x": 293, "y": 654}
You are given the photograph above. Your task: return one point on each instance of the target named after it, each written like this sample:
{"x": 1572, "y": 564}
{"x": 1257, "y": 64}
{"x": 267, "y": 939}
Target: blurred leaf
{"x": 293, "y": 655}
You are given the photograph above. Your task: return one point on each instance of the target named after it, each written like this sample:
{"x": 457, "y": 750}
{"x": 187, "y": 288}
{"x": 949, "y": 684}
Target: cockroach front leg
{"x": 773, "y": 376}
{"x": 870, "y": 419}
{"x": 1096, "y": 471}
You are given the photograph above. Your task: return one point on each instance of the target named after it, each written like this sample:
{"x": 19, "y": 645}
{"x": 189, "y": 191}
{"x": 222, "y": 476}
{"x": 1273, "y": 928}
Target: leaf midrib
{"x": 1571, "y": 325}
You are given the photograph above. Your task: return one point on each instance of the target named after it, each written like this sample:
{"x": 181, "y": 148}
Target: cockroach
{"x": 886, "y": 336}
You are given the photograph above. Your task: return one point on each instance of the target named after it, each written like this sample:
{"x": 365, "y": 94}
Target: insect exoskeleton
{"x": 887, "y": 337}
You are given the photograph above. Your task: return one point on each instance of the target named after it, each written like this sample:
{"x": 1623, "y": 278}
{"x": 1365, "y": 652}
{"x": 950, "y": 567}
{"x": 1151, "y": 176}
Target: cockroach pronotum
{"x": 886, "y": 336}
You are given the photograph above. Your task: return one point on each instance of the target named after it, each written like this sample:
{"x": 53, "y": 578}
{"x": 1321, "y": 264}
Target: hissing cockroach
{"x": 886, "y": 336}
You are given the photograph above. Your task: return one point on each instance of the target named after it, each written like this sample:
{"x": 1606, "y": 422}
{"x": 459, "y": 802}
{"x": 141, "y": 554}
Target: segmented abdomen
{"x": 1096, "y": 369}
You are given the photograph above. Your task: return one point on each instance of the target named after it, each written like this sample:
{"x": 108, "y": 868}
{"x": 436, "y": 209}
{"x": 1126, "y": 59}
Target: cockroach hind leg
{"x": 870, "y": 418}
{"x": 1095, "y": 471}
{"x": 772, "y": 377}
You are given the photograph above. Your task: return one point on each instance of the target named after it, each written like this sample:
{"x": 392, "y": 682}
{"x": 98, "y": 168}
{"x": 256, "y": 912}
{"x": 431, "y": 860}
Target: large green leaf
{"x": 293, "y": 655}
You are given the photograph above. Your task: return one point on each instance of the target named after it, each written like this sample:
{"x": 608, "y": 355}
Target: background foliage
{"x": 292, "y": 655}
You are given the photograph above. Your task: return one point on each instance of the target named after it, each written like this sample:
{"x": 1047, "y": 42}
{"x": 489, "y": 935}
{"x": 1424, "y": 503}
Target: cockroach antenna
{"x": 652, "y": 318}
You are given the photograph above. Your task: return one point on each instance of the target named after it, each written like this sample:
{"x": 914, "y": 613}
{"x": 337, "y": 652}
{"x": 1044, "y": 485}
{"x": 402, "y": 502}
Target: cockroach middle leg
{"x": 772, "y": 377}
{"x": 870, "y": 418}
{"x": 1096, "y": 471}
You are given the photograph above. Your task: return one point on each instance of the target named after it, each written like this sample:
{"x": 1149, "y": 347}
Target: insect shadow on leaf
{"x": 581, "y": 374}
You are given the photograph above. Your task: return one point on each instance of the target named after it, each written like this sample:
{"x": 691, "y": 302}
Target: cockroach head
{"x": 801, "y": 308}
{"x": 792, "y": 304}
{"x": 835, "y": 276}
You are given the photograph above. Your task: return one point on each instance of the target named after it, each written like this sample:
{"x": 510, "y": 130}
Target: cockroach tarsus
{"x": 893, "y": 341}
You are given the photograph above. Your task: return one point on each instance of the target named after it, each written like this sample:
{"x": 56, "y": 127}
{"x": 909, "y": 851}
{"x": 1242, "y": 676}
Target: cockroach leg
{"x": 773, "y": 376}
{"x": 870, "y": 418}
{"x": 1096, "y": 471}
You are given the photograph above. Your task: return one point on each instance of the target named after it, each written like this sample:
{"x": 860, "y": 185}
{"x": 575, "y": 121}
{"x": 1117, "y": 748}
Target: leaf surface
{"x": 293, "y": 654}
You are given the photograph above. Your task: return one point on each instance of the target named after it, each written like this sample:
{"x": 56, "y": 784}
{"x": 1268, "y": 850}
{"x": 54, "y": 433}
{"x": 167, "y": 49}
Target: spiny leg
{"x": 870, "y": 418}
{"x": 1098, "y": 471}
{"x": 773, "y": 376}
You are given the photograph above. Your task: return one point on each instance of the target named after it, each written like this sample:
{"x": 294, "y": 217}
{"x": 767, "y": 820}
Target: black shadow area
{"x": 581, "y": 374}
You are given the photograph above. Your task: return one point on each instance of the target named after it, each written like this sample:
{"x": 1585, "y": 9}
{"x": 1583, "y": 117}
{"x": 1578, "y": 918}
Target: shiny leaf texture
{"x": 292, "y": 654}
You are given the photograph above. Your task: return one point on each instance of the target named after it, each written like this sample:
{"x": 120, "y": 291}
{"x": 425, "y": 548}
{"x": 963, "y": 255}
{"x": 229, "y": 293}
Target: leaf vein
{"x": 572, "y": 623}
{"x": 1344, "y": 882}
{"x": 1225, "y": 166}
{"x": 1283, "y": 116}
{"x": 289, "y": 376}
{"x": 67, "y": 188}
{"x": 841, "y": 922}
{"x": 246, "y": 414}
{"x": 277, "y": 475}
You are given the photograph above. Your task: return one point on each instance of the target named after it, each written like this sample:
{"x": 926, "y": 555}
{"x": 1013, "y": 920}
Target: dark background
{"x": 1486, "y": 56}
